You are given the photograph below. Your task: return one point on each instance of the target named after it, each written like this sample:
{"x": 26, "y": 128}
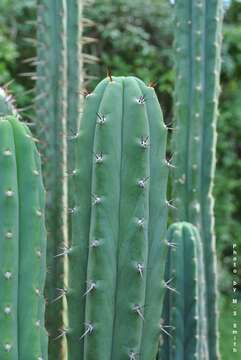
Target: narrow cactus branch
{"x": 22, "y": 245}
{"x": 74, "y": 112}
{"x": 198, "y": 44}
{"x": 184, "y": 307}
{"x": 51, "y": 109}
{"x": 112, "y": 237}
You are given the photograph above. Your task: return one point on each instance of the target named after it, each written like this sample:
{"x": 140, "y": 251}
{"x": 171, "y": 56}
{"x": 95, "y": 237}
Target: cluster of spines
{"x": 6, "y": 103}
{"x": 121, "y": 135}
{"x": 22, "y": 245}
{"x": 184, "y": 314}
{"x": 197, "y": 45}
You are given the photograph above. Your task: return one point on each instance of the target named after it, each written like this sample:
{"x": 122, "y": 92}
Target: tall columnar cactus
{"x": 22, "y": 245}
{"x": 58, "y": 98}
{"x": 184, "y": 307}
{"x": 117, "y": 252}
{"x": 197, "y": 44}
{"x": 51, "y": 108}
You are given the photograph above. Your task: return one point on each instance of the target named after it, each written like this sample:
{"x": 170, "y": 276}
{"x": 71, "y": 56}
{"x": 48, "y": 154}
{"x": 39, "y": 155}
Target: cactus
{"x": 198, "y": 43}
{"x": 51, "y": 102}
{"x": 184, "y": 307}
{"x": 118, "y": 224}
{"x": 22, "y": 245}
{"x": 51, "y": 110}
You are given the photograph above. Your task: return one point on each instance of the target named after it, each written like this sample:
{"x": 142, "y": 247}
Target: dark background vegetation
{"x": 135, "y": 37}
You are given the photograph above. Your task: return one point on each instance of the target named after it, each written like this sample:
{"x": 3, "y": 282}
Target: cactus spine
{"x": 22, "y": 245}
{"x": 118, "y": 221}
{"x": 184, "y": 308}
{"x": 198, "y": 43}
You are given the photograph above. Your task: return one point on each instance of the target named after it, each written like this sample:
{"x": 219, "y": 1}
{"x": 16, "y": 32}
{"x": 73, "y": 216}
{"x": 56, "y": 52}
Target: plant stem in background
{"x": 51, "y": 109}
{"x": 198, "y": 44}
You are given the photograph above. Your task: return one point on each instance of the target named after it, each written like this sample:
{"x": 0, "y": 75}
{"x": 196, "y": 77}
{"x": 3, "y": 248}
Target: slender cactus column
{"x": 197, "y": 44}
{"x": 51, "y": 108}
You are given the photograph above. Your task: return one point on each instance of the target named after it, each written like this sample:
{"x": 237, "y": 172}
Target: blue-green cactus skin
{"x": 119, "y": 224}
{"x": 184, "y": 316}
{"x": 198, "y": 44}
{"x": 22, "y": 245}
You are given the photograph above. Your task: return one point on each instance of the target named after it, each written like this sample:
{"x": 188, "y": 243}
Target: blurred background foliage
{"x": 135, "y": 37}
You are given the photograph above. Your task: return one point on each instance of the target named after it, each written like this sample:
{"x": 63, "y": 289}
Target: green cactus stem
{"x": 198, "y": 43}
{"x": 51, "y": 110}
{"x": 184, "y": 316}
{"x": 22, "y": 245}
{"x": 117, "y": 252}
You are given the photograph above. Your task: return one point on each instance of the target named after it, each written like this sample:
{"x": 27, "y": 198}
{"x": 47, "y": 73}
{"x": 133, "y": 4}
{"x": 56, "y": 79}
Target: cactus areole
{"x": 117, "y": 251}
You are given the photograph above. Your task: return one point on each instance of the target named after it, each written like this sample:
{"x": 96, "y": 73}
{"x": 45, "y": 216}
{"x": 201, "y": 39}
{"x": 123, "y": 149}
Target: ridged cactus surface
{"x": 51, "y": 128}
{"x": 117, "y": 251}
{"x": 22, "y": 245}
{"x": 184, "y": 316}
{"x": 197, "y": 44}
{"x": 58, "y": 98}
{"x": 74, "y": 109}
